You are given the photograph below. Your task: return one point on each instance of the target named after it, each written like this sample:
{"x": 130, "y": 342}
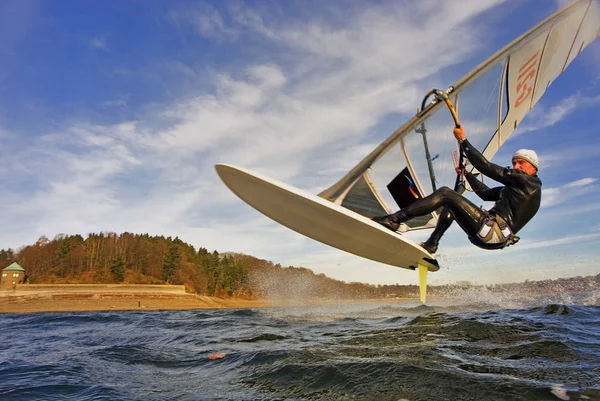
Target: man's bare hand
{"x": 459, "y": 133}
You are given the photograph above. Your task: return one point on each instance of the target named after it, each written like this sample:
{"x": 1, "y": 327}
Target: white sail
{"x": 493, "y": 99}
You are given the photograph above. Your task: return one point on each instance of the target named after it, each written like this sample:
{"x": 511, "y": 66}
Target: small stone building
{"x": 12, "y": 275}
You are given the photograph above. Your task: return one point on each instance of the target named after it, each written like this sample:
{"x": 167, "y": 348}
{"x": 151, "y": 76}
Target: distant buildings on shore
{"x": 12, "y": 276}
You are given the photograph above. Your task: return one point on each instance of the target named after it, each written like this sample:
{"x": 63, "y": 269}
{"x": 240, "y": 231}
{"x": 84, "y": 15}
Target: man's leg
{"x": 467, "y": 215}
{"x": 444, "y": 222}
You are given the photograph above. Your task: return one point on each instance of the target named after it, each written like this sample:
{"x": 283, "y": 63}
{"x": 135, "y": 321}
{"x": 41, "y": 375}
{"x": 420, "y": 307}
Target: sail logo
{"x": 411, "y": 185}
{"x": 526, "y": 79}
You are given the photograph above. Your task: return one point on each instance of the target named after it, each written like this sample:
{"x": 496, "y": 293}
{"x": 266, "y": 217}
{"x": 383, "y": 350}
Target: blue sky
{"x": 113, "y": 114}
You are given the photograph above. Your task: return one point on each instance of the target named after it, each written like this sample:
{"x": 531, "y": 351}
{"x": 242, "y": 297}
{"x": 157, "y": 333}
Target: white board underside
{"x": 324, "y": 221}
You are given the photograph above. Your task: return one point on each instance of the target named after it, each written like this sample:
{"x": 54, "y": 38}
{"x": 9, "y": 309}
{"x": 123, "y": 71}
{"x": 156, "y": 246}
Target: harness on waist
{"x": 494, "y": 233}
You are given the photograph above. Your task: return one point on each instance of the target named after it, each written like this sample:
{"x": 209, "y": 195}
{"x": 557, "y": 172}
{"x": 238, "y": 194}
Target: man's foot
{"x": 388, "y": 222}
{"x": 429, "y": 247}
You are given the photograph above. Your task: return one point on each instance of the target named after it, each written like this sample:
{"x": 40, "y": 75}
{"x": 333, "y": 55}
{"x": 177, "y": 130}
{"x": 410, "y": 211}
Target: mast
{"x": 423, "y": 131}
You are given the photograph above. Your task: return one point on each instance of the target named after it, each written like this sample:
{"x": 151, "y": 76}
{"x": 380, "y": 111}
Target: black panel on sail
{"x": 403, "y": 189}
{"x": 405, "y": 192}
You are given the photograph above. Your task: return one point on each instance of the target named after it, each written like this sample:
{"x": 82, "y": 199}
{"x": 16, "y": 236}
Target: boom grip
{"x": 452, "y": 111}
{"x": 442, "y": 95}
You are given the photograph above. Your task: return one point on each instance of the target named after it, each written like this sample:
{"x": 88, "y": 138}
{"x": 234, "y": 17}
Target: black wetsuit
{"x": 516, "y": 202}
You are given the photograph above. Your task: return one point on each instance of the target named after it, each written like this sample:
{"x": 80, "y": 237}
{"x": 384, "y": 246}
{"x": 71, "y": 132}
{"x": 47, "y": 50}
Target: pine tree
{"x": 117, "y": 269}
{"x": 172, "y": 262}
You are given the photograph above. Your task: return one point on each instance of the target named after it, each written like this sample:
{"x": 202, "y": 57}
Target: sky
{"x": 113, "y": 115}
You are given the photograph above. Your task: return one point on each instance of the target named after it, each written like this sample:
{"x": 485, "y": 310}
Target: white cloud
{"x": 560, "y": 241}
{"x": 540, "y": 117}
{"x": 568, "y": 156}
{"x": 280, "y": 117}
{"x": 568, "y": 192}
{"x": 582, "y": 182}
{"x": 98, "y": 43}
{"x": 119, "y": 101}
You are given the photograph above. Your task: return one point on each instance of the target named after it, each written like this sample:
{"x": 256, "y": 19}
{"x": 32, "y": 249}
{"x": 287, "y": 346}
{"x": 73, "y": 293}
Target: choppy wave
{"x": 475, "y": 349}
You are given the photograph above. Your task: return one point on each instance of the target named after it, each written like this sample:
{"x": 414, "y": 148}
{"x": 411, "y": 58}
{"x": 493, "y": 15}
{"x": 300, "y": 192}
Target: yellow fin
{"x": 423, "y": 282}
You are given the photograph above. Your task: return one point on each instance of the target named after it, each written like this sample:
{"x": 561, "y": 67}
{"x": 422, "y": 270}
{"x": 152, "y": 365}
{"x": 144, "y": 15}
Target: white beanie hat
{"x": 527, "y": 154}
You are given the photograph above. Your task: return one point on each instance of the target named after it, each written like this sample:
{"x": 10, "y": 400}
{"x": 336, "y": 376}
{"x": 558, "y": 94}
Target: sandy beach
{"x": 33, "y": 298}
{"x": 92, "y": 297}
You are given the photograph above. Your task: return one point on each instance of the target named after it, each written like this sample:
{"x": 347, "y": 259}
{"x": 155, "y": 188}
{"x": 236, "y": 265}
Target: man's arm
{"x": 491, "y": 170}
{"x": 482, "y": 190}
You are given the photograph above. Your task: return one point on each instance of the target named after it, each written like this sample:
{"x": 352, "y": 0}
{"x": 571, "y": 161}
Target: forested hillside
{"x": 144, "y": 259}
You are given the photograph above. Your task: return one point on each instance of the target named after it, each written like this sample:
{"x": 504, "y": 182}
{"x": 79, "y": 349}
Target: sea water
{"x": 494, "y": 348}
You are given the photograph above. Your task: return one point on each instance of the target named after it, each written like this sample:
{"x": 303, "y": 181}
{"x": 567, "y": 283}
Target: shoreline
{"x": 129, "y": 297}
{"x": 97, "y": 302}
{"x": 33, "y": 298}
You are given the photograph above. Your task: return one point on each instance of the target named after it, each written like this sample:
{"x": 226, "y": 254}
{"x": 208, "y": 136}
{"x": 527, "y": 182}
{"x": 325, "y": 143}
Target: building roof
{"x": 14, "y": 266}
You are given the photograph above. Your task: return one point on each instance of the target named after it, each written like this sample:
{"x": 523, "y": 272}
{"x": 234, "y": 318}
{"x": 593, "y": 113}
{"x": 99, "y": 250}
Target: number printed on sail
{"x": 526, "y": 78}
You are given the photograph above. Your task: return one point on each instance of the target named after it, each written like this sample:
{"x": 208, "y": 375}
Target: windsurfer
{"x": 516, "y": 202}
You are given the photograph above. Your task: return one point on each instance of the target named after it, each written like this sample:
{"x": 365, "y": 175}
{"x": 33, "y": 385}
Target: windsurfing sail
{"x": 491, "y": 100}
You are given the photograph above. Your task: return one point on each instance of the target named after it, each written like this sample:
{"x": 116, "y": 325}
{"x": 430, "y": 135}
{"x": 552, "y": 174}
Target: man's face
{"x": 524, "y": 166}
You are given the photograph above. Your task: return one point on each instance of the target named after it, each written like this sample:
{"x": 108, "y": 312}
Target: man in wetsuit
{"x": 516, "y": 202}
